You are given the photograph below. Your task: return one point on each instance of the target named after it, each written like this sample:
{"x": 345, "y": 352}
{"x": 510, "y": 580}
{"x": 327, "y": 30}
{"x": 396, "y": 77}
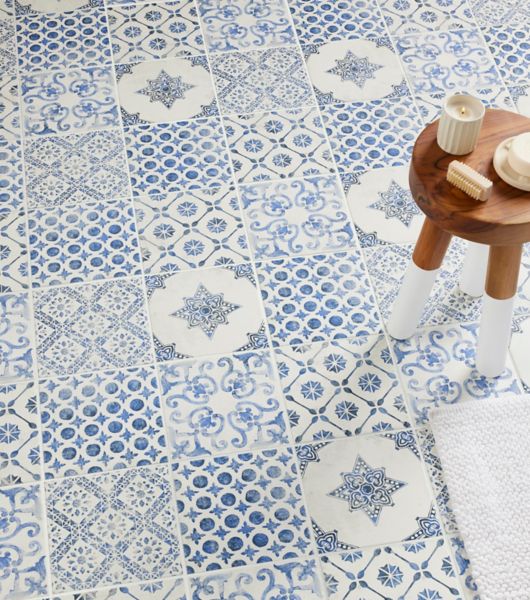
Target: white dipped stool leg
{"x": 473, "y": 275}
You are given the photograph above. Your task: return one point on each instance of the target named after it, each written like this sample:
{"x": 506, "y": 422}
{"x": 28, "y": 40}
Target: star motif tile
{"x": 163, "y": 589}
{"x": 165, "y": 89}
{"x": 511, "y": 51}
{"x": 520, "y": 95}
{"x": 355, "y": 69}
{"x": 16, "y": 356}
{"x": 13, "y": 252}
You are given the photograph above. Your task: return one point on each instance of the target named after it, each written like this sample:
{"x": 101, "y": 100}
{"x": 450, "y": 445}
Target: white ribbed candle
{"x": 460, "y": 123}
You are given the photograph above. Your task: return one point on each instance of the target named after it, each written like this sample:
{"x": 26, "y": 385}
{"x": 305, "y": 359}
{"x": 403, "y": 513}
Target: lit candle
{"x": 460, "y": 123}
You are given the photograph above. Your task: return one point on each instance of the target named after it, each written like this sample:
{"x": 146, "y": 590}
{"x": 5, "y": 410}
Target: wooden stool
{"x": 502, "y": 223}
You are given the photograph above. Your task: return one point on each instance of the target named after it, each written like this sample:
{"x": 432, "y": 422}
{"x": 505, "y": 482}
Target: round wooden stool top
{"x": 504, "y": 219}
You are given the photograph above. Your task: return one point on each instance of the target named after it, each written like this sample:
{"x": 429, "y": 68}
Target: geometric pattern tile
{"x": 498, "y": 12}
{"x": 13, "y": 253}
{"x": 511, "y": 51}
{"x": 521, "y": 98}
{"x": 11, "y": 180}
{"x": 9, "y": 105}
{"x": 164, "y": 589}
{"x": 27, "y": 7}
{"x": 16, "y": 359}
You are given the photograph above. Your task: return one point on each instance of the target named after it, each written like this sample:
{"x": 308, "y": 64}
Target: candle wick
{"x": 463, "y": 110}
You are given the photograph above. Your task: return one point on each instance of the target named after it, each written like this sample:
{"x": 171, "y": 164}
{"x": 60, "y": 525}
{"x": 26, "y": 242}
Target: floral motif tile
{"x": 463, "y": 568}
{"x": 19, "y": 435}
{"x": 341, "y": 388}
{"x": 13, "y": 253}
{"x": 261, "y": 80}
{"x": 71, "y": 39}
{"x": 203, "y": 312}
{"x": 15, "y": 338}
{"x": 24, "y": 568}
{"x": 241, "y": 510}
{"x": 295, "y": 217}
{"x": 94, "y": 326}
{"x": 415, "y": 571}
{"x": 409, "y": 16}
{"x": 496, "y": 12}
{"x": 366, "y": 491}
{"x": 222, "y": 404}
{"x": 317, "y": 298}
{"x": 245, "y": 24}
{"x": 355, "y": 70}
{"x": 94, "y": 423}
{"x": 69, "y": 101}
{"x": 287, "y": 580}
{"x": 278, "y": 145}
{"x": 165, "y": 589}
{"x": 165, "y": 90}
{"x": 187, "y": 230}
{"x": 510, "y": 47}
{"x": 142, "y": 31}
{"x": 75, "y": 169}
{"x": 320, "y": 21}
{"x": 521, "y": 98}
{"x": 112, "y": 528}
{"x": 177, "y": 156}
{"x": 11, "y": 179}
{"x": 9, "y": 103}
{"x": 25, "y": 7}
{"x": 382, "y": 206}
{"x": 371, "y": 135}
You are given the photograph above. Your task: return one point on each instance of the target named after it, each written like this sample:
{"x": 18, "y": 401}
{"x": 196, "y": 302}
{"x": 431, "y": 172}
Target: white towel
{"x": 484, "y": 446}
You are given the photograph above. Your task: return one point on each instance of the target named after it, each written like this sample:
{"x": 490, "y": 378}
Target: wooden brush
{"x": 469, "y": 181}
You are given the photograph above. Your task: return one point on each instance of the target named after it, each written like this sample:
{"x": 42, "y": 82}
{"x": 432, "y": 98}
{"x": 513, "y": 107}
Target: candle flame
{"x": 462, "y": 110}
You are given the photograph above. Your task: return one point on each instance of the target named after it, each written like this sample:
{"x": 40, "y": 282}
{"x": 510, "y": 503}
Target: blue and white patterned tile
{"x": 296, "y": 580}
{"x": 165, "y": 589}
{"x": 9, "y": 106}
{"x": 299, "y": 216}
{"x": 189, "y": 230}
{"x": 340, "y": 389}
{"x": 382, "y": 206}
{"x": 355, "y": 71}
{"x": 278, "y": 145}
{"x": 19, "y": 435}
{"x": 222, "y": 404}
{"x": 13, "y": 252}
{"x": 24, "y": 567}
{"x": 165, "y": 90}
{"x": 16, "y": 357}
{"x": 317, "y": 298}
{"x": 367, "y": 490}
{"x": 83, "y": 243}
{"x": 7, "y": 39}
{"x": 241, "y": 510}
{"x": 245, "y": 24}
{"x": 75, "y": 169}
{"x": 69, "y": 101}
{"x": 203, "y": 312}
{"x": 520, "y": 95}
{"x": 261, "y": 80}
{"x": 369, "y": 135}
{"x": 101, "y": 422}
{"x": 142, "y": 31}
{"x": 173, "y": 157}
{"x": 88, "y": 327}
{"x": 11, "y": 177}
{"x": 496, "y": 12}
{"x": 71, "y": 39}
{"x": 30, "y": 7}
{"x": 510, "y": 47}
{"x": 113, "y": 528}
{"x": 463, "y": 568}
{"x": 415, "y": 571}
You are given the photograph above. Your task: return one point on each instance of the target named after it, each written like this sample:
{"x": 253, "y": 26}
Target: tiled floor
{"x": 204, "y": 218}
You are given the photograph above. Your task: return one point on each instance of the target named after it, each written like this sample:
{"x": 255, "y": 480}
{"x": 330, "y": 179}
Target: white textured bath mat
{"x": 484, "y": 447}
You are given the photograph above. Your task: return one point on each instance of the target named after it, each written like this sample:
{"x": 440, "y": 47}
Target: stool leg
{"x": 497, "y": 310}
{"x": 418, "y": 281}
{"x": 473, "y": 274}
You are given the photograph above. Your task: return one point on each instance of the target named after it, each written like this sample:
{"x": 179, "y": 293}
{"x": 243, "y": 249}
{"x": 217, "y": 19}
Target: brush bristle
{"x": 469, "y": 181}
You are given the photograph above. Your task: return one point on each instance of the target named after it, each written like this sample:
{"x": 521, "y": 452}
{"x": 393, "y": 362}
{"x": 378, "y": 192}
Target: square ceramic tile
{"x": 511, "y": 50}
{"x": 83, "y": 243}
{"x": 13, "y": 253}
{"x": 71, "y": 39}
{"x": 355, "y": 70}
{"x": 368, "y": 135}
{"x": 11, "y": 178}
{"x": 142, "y": 31}
{"x": 19, "y": 434}
{"x": 111, "y": 529}
{"x": 317, "y": 298}
{"x": 16, "y": 360}
{"x": 75, "y": 169}
{"x": 25, "y": 569}
{"x": 289, "y": 580}
{"x": 299, "y": 216}
{"x": 393, "y": 572}
{"x": 464, "y": 568}
{"x": 7, "y": 37}
{"x": 94, "y": 326}
{"x": 69, "y": 101}
{"x": 278, "y": 144}
{"x": 245, "y": 24}
{"x": 341, "y": 388}
{"x": 177, "y": 156}
{"x": 222, "y": 404}
{"x": 320, "y": 21}
{"x": 496, "y": 12}
{"x": 205, "y": 312}
{"x": 165, "y": 90}
{"x": 25, "y": 7}
{"x": 164, "y": 589}
{"x": 437, "y": 367}
{"x": 521, "y": 98}
{"x": 241, "y": 510}
{"x": 408, "y": 16}
{"x": 261, "y": 80}
{"x": 9, "y": 104}
{"x": 382, "y": 206}
{"x": 366, "y": 491}
{"x": 94, "y": 423}
{"x": 187, "y": 230}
